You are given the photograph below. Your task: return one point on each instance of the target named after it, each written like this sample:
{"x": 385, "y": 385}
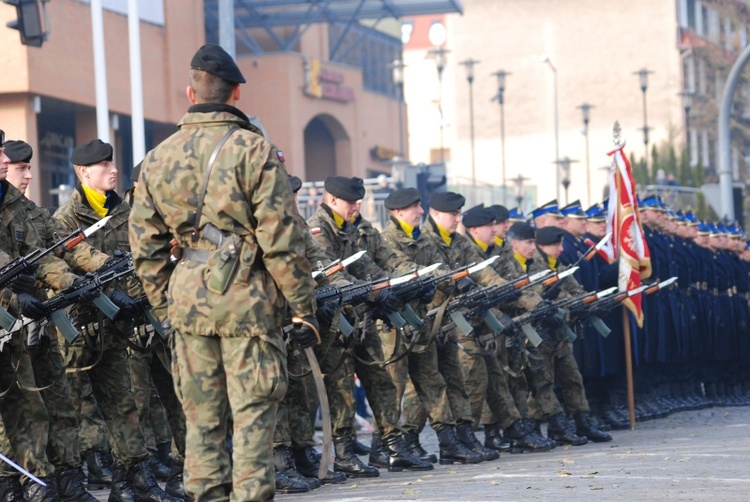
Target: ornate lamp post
{"x": 500, "y": 97}
{"x": 469, "y": 64}
{"x": 643, "y": 79}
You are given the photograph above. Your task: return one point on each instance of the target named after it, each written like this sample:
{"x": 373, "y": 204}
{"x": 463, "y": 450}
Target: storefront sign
{"x": 324, "y": 83}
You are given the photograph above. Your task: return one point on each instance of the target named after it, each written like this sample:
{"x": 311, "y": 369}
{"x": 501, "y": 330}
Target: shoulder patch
{"x": 315, "y": 230}
{"x": 280, "y": 154}
{"x": 20, "y": 236}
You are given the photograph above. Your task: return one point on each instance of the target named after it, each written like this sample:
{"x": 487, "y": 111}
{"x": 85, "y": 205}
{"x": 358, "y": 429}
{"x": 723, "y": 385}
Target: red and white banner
{"x": 628, "y": 244}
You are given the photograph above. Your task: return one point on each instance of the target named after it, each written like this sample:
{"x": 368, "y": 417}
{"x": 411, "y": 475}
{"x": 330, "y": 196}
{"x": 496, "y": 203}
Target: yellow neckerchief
{"x": 446, "y": 235}
{"x": 408, "y": 229}
{"x": 482, "y": 245}
{"x": 96, "y": 200}
{"x": 552, "y": 263}
{"x": 499, "y": 242}
{"x": 520, "y": 259}
{"x": 338, "y": 220}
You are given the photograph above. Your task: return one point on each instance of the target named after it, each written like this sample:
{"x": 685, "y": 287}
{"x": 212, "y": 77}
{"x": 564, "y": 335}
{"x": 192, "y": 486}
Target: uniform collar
{"x": 444, "y": 234}
{"x": 522, "y": 261}
{"x": 337, "y": 220}
{"x": 499, "y": 242}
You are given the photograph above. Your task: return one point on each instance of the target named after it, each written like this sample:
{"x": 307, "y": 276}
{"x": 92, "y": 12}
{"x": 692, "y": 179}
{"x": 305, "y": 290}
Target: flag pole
{"x": 625, "y": 321}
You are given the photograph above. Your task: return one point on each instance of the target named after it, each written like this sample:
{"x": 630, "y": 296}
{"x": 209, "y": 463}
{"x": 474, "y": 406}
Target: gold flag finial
{"x": 616, "y": 133}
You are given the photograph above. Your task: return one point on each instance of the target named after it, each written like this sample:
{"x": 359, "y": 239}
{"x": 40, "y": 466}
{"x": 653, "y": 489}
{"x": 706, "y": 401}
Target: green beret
{"x": 549, "y": 235}
{"x": 348, "y": 189}
{"x": 520, "y": 231}
{"x": 93, "y": 152}
{"x": 401, "y": 198}
{"x": 447, "y": 202}
{"x": 18, "y": 151}
{"x": 215, "y": 60}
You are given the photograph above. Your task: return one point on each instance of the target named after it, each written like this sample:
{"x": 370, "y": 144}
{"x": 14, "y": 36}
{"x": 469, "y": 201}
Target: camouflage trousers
{"x": 339, "y": 360}
{"x": 159, "y": 410}
{"x": 487, "y": 384}
{"x": 109, "y": 380}
{"x": 449, "y": 366}
{"x": 293, "y": 425}
{"x": 214, "y": 377}
{"x": 555, "y": 362}
{"x": 23, "y": 413}
{"x": 421, "y": 368}
{"x": 93, "y": 434}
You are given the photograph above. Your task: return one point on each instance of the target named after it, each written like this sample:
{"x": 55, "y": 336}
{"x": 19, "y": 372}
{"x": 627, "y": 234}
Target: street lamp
{"x": 687, "y": 104}
{"x": 500, "y": 97}
{"x": 564, "y": 166}
{"x": 469, "y": 64}
{"x": 586, "y": 109}
{"x": 439, "y": 53}
{"x": 397, "y": 72}
{"x": 546, "y": 59}
{"x": 518, "y": 182}
{"x": 643, "y": 78}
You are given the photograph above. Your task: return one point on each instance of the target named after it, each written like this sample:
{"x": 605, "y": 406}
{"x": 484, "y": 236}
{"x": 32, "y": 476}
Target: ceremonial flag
{"x": 628, "y": 244}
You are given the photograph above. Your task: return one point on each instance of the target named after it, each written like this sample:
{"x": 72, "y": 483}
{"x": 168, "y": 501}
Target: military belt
{"x": 199, "y": 255}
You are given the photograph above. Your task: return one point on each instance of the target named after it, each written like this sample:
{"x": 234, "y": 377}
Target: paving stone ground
{"x": 692, "y": 455}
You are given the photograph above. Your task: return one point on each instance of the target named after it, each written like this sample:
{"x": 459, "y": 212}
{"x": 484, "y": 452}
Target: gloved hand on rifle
{"x": 23, "y": 283}
{"x": 90, "y": 294}
{"x": 325, "y": 314}
{"x": 122, "y": 300}
{"x": 511, "y": 327}
{"x": 116, "y": 256}
{"x": 31, "y": 307}
{"x": 465, "y": 284}
{"x": 387, "y": 301}
{"x": 427, "y": 294}
{"x": 305, "y": 331}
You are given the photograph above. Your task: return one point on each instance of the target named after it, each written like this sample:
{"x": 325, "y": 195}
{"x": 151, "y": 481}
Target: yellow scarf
{"x": 338, "y": 220}
{"x": 96, "y": 201}
{"x": 552, "y": 263}
{"x": 446, "y": 235}
{"x": 482, "y": 245}
{"x": 408, "y": 229}
{"x": 520, "y": 259}
{"x": 499, "y": 242}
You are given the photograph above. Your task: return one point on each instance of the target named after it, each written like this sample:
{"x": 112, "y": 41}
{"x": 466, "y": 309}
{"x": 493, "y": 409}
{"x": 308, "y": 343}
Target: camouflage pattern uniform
{"x": 340, "y": 243}
{"x": 227, "y": 350}
{"x": 421, "y": 365}
{"x": 110, "y": 376}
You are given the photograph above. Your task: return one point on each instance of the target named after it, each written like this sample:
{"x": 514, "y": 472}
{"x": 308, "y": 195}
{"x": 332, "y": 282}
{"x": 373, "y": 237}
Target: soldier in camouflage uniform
{"x": 414, "y": 250}
{"x": 242, "y": 267}
{"x": 104, "y": 346}
{"x": 341, "y": 356}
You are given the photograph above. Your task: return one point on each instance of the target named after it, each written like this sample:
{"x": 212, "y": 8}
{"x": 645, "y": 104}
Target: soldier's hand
{"x": 166, "y": 331}
{"x": 89, "y": 294}
{"x": 465, "y": 284}
{"x": 325, "y": 314}
{"x": 24, "y": 283}
{"x": 305, "y": 331}
{"x": 427, "y": 294}
{"x": 388, "y": 301}
{"x": 31, "y": 307}
{"x": 123, "y": 301}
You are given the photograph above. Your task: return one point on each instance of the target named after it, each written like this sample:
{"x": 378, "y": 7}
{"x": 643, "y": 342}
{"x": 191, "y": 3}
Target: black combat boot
{"x": 359, "y": 447}
{"x": 35, "y": 492}
{"x": 523, "y": 439}
{"x": 164, "y": 453}
{"x": 452, "y": 450}
{"x": 145, "y": 487}
{"x": 347, "y": 462}
{"x": 284, "y": 484}
{"x": 175, "y": 484}
{"x": 378, "y": 451}
{"x": 99, "y": 475}
{"x": 494, "y": 439}
{"x": 284, "y": 463}
{"x": 466, "y": 435}
{"x": 161, "y": 470}
{"x": 585, "y": 427}
{"x": 411, "y": 440}
{"x": 70, "y": 487}
{"x": 399, "y": 457}
{"x": 308, "y": 464}
{"x": 11, "y": 490}
{"x": 563, "y": 431}
{"x": 122, "y": 489}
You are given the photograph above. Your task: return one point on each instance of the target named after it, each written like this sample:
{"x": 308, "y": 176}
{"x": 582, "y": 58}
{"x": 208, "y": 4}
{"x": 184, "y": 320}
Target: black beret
{"x": 348, "y": 189}
{"x": 91, "y": 153}
{"x": 2, "y": 138}
{"x": 136, "y": 172}
{"x": 295, "y": 183}
{"x": 549, "y": 235}
{"x": 521, "y": 231}
{"x": 501, "y": 213}
{"x": 478, "y": 216}
{"x": 401, "y": 198}
{"x": 18, "y": 151}
{"x": 215, "y": 60}
{"x": 447, "y": 202}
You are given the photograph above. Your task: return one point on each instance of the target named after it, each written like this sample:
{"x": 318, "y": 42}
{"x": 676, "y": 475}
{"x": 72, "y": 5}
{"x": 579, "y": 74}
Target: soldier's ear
{"x": 190, "y": 93}
{"x": 236, "y": 93}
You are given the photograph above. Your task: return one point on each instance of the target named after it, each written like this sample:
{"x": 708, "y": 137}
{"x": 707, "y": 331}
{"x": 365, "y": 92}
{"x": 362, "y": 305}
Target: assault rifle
{"x": 55, "y": 306}
{"x": 336, "y": 265}
{"x": 554, "y": 291}
{"x": 144, "y": 307}
{"x": 25, "y": 264}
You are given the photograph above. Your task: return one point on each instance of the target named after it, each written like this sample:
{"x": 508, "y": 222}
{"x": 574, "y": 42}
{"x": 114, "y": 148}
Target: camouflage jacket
{"x": 339, "y": 243}
{"x": 569, "y": 287}
{"x": 249, "y": 198}
{"x": 371, "y": 241}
